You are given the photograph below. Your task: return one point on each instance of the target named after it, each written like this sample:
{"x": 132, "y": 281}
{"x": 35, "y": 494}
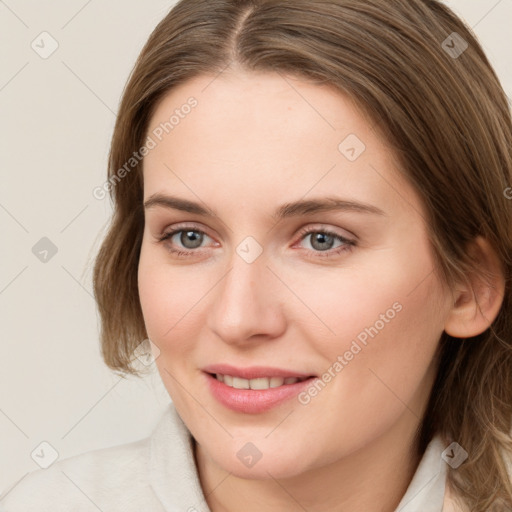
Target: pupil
{"x": 191, "y": 236}
{"x": 323, "y": 239}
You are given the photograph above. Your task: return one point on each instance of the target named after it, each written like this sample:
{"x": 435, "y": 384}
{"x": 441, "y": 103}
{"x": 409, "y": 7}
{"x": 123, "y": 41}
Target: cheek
{"x": 391, "y": 293}
{"x": 387, "y": 324}
{"x": 386, "y": 313}
{"x": 170, "y": 301}
{"x": 170, "y": 298}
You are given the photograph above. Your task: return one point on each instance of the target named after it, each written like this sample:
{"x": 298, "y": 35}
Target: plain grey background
{"x": 58, "y": 112}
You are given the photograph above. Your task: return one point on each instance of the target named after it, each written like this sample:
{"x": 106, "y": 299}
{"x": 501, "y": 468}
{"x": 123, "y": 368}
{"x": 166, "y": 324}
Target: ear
{"x": 477, "y": 302}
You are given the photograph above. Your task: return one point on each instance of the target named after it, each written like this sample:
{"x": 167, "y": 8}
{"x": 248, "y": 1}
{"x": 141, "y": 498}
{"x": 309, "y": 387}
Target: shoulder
{"x": 93, "y": 480}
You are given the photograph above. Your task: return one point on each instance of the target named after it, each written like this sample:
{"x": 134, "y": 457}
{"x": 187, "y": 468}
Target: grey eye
{"x": 190, "y": 239}
{"x": 321, "y": 241}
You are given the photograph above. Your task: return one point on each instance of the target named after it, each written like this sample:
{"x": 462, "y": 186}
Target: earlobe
{"x": 478, "y": 301}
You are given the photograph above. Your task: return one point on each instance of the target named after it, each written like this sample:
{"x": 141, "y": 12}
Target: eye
{"x": 185, "y": 241}
{"x": 187, "y": 238}
{"x": 323, "y": 240}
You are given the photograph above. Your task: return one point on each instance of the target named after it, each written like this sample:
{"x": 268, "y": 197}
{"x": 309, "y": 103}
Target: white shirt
{"x": 158, "y": 474}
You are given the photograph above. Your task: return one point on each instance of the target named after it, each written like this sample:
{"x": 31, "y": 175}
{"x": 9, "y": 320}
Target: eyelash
{"x": 348, "y": 244}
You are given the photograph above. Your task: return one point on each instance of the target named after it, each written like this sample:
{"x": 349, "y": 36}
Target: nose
{"x": 247, "y": 304}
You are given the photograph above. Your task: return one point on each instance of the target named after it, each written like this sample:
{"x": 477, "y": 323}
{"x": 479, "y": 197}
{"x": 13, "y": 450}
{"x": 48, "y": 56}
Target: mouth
{"x": 254, "y": 390}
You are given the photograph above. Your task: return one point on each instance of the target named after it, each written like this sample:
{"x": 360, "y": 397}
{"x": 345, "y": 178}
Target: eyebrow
{"x": 293, "y": 209}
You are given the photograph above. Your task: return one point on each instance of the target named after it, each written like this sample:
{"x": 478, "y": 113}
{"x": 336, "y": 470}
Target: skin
{"x": 253, "y": 142}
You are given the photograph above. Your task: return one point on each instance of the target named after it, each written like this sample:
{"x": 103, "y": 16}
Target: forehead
{"x": 269, "y": 137}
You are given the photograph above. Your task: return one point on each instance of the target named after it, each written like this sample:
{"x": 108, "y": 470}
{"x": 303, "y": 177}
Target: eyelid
{"x": 322, "y": 228}
{"x": 184, "y": 227}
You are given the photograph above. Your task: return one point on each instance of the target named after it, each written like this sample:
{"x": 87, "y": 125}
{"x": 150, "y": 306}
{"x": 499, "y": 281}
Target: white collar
{"x": 426, "y": 490}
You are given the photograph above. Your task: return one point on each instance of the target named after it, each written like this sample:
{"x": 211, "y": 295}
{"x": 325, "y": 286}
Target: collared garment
{"x": 158, "y": 474}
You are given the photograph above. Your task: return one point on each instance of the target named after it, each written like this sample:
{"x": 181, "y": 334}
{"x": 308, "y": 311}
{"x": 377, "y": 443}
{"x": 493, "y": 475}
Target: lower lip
{"x": 254, "y": 401}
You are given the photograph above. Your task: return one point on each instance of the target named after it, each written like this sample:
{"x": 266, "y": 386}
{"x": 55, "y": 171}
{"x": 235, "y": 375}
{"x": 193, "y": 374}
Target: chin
{"x": 269, "y": 462}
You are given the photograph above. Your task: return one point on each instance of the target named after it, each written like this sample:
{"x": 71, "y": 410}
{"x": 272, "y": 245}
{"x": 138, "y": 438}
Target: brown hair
{"x": 448, "y": 120}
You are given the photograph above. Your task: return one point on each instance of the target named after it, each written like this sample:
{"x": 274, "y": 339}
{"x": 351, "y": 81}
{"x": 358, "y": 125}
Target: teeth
{"x": 259, "y": 383}
{"x": 239, "y": 383}
{"x": 276, "y": 382}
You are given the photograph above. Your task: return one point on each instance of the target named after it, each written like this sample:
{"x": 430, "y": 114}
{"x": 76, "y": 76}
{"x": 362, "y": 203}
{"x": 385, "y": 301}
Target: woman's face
{"x": 302, "y": 253}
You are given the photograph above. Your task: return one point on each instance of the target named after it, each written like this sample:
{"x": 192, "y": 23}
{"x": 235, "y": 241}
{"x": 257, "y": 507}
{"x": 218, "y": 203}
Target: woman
{"x": 312, "y": 225}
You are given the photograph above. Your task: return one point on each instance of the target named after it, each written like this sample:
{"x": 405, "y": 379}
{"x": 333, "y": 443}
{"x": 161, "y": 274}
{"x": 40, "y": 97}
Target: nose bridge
{"x": 240, "y": 281}
{"x": 243, "y": 304}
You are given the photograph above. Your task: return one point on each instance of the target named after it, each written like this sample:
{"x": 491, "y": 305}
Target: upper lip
{"x": 253, "y": 372}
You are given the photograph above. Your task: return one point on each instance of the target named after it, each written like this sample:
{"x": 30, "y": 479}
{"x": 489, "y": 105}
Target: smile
{"x": 253, "y": 390}
{"x": 258, "y": 383}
